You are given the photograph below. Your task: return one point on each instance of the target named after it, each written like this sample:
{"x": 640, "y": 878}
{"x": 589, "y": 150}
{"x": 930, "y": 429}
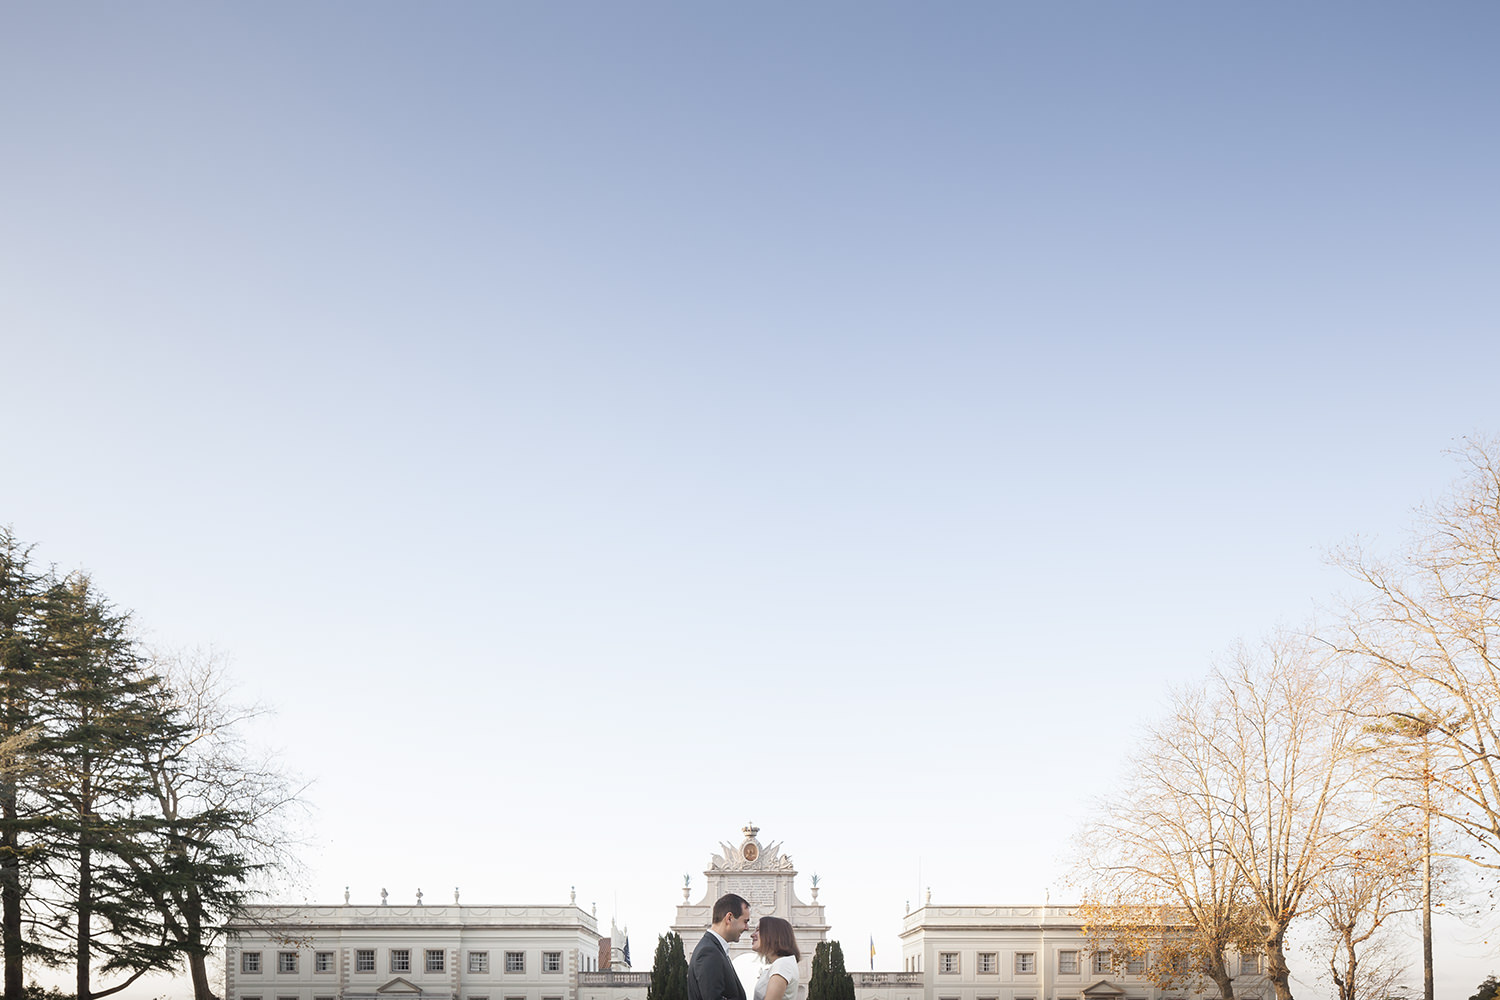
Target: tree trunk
{"x": 1351, "y": 973}
{"x": 202, "y": 987}
{"x": 82, "y": 941}
{"x": 197, "y": 954}
{"x": 1220, "y": 975}
{"x": 10, "y": 895}
{"x": 1276, "y": 967}
{"x": 1426, "y": 875}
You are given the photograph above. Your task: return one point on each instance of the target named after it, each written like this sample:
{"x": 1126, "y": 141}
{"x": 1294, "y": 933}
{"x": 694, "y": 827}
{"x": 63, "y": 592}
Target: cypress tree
{"x": 669, "y": 970}
{"x": 817, "y": 979}
{"x": 828, "y": 980}
{"x": 840, "y": 983}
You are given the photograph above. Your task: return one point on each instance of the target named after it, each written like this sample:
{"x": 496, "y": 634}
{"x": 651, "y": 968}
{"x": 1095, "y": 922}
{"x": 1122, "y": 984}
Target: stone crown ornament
{"x": 750, "y": 854}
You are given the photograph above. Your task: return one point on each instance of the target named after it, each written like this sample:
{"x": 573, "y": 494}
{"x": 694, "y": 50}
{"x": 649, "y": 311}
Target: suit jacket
{"x": 711, "y": 974}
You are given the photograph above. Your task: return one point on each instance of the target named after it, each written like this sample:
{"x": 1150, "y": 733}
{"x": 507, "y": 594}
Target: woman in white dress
{"x": 777, "y": 948}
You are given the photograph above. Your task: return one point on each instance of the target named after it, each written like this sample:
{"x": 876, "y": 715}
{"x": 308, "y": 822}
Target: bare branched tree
{"x": 1158, "y": 888}
{"x": 1429, "y": 622}
{"x": 1379, "y": 878}
{"x": 1404, "y": 761}
{"x": 1287, "y": 756}
{"x": 223, "y": 814}
{"x": 1238, "y": 808}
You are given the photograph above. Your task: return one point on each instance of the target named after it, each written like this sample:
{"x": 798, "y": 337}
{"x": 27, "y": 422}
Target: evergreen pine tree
{"x": 1488, "y": 990}
{"x": 98, "y": 714}
{"x": 21, "y": 690}
{"x": 131, "y": 818}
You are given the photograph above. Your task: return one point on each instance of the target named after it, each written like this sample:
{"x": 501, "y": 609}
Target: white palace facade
{"x": 556, "y": 952}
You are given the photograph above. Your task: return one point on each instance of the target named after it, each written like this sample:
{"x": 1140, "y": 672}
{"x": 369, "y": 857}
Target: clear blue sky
{"x": 880, "y": 405}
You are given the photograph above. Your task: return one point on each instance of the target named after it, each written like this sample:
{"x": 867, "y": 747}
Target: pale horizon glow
{"x": 880, "y": 407}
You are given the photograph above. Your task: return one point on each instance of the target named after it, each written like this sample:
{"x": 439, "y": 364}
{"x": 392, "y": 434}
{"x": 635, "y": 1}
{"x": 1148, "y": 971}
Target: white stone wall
{"x": 454, "y": 932}
{"x": 1046, "y": 933}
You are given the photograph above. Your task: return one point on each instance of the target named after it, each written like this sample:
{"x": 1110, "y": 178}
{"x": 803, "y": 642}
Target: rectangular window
{"x": 250, "y": 962}
{"x": 1135, "y": 965}
{"x": 322, "y": 962}
{"x": 1026, "y": 963}
{"x": 987, "y": 962}
{"x": 286, "y": 998}
{"x": 286, "y": 961}
{"x": 1249, "y": 965}
{"x": 479, "y": 961}
{"x": 515, "y": 961}
{"x": 551, "y": 961}
{"x": 400, "y": 959}
{"x": 1101, "y": 961}
{"x": 364, "y": 960}
{"x": 437, "y": 960}
{"x": 1067, "y": 962}
{"x": 948, "y": 961}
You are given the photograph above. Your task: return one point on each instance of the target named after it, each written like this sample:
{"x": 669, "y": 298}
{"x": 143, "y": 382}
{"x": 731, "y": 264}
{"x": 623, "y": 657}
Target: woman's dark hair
{"x": 776, "y": 939}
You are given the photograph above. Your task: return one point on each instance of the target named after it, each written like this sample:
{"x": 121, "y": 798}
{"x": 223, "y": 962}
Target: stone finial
{"x": 455, "y": 895}
{"x": 383, "y": 895}
{"x": 929, "y": 895}
{"x": 573, "y": 894}
{"x": 346, "y": 895}
{"x": 594, "y": 910}
{"x": 419, "y": 897}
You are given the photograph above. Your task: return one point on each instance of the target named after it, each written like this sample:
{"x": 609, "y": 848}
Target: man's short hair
{"x": 727, "y": 904}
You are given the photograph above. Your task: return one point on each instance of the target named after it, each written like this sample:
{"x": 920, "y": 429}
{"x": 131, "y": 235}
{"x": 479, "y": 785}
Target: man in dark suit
{"x": 711, "y": 974}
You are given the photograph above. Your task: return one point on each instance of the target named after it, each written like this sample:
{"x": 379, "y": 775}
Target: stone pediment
{"x": 1103, "y": 988}
{"x": 399, "y": 987}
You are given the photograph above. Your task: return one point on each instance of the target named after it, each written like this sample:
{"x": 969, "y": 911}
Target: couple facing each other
{"x": 772, "y": 964}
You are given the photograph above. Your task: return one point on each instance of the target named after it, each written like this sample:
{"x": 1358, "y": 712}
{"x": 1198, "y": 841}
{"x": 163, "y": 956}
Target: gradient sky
{"x": 879, "y": 406}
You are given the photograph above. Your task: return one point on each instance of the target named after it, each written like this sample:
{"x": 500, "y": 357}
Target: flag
{"x": 872, "y": 952}
{"x": 625, "y": 952}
